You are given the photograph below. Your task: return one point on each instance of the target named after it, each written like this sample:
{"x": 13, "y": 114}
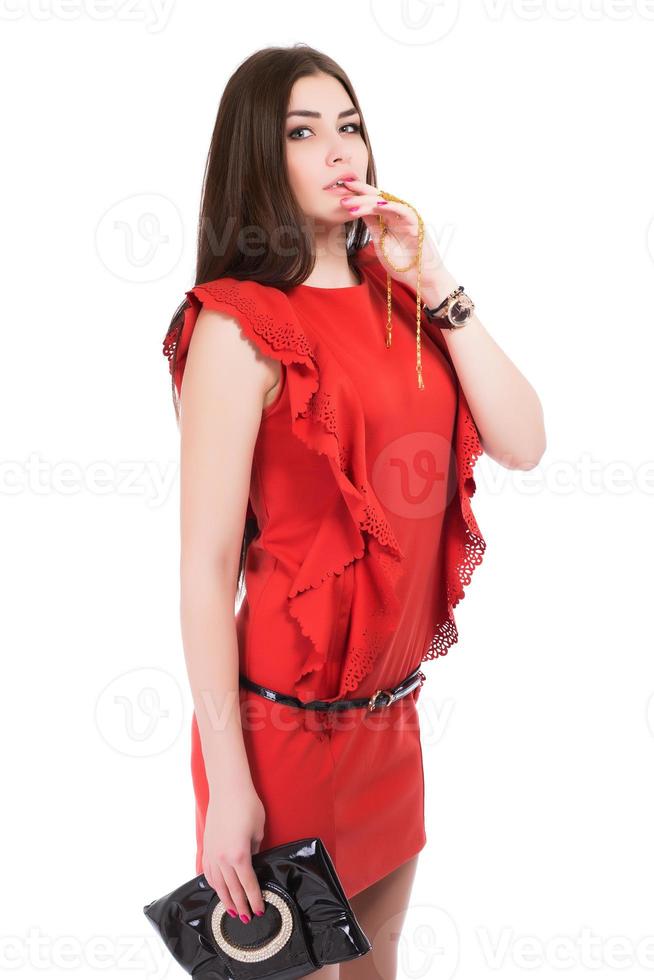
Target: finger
{"x": 237, "y": 891}
{"x": 403, "y": 229}
{"x": 372, "y": 202}
{"x": 407, "y": 219}
{"x": 251, "y": 885}
{"x": 360, "y": 187}
{"x": 367, "y": 192}
{"x": 217, "y": 882}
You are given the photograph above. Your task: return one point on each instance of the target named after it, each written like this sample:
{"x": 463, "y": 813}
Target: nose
{"x": 338, "y": 158}
{"x": 337, "y": 155}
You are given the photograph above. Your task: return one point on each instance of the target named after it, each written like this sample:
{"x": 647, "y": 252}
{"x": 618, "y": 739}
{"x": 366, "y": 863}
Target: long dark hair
{"x": 246, "y": 188}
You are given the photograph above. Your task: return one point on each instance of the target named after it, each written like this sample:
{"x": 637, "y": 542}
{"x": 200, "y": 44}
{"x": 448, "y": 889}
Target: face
{"x": 322, "y": 146}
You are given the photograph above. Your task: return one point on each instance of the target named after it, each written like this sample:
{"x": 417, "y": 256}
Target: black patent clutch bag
{"x": 307, "y": 924}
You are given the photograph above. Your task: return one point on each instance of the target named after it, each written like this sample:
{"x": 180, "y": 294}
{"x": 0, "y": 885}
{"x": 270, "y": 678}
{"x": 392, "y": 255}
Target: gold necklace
{"x": 417, "y": 259}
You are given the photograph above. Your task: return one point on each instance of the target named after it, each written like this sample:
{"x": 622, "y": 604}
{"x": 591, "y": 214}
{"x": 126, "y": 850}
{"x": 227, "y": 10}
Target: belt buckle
{"x": 372, "y": 703}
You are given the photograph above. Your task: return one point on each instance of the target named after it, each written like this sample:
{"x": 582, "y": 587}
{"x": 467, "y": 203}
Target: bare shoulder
{"x": 219, "y": 339}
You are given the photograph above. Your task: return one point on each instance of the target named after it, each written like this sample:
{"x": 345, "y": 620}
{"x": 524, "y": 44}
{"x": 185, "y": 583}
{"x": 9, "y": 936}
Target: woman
{"x": 319, "y": 470}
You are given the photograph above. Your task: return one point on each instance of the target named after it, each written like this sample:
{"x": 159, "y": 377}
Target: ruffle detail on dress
{"x": 354, "y": 531}
{"x": 327, "y": 416}
{"x": 274, "y": 335}
{"x": 463, "y": 544}
{"x": 371, "y": 605}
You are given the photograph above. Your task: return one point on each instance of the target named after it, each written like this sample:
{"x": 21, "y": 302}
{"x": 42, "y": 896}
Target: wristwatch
{"x": 456, "y": 308}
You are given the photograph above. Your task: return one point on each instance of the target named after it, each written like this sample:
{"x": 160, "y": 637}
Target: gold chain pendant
{"x": 416, "y": 260}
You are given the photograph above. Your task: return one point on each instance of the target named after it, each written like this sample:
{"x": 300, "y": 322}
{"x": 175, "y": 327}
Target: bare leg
{"x": 381, "y": 910}
{"x": 327, "y": 972}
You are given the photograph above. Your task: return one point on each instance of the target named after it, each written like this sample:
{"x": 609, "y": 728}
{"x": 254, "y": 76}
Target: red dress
{"x": 360, "y": 486}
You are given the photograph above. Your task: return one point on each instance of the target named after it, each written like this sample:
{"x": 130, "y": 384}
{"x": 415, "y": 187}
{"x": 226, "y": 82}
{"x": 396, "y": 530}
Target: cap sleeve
{"x": 258, "y": 317}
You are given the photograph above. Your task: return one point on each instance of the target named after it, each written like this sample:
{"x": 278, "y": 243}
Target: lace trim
{"x": 283, "y": 338}
{"x": 363, "y": 658}
{"x": 464, "y": 545}
{"x": 170, "y": 342}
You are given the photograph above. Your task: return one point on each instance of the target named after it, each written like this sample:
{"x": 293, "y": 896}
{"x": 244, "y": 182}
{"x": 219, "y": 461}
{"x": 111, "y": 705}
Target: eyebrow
{"x": 318, "y": 115}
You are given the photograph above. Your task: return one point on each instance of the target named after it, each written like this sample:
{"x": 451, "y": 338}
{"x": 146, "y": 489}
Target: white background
{"x": 522, "y": 133}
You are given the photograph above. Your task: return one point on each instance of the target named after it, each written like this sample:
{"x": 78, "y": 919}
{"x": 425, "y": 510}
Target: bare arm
{"x": 223, "y": 391}
{"x": 505, "y": 406}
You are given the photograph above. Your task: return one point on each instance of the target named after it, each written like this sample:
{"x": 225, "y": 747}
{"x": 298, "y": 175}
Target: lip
{"x": 343, "y": 177}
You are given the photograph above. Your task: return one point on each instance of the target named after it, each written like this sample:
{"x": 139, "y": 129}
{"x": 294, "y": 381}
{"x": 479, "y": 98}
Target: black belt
{"x": 413, "y": 680}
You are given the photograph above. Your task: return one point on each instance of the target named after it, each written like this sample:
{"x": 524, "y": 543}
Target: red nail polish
{"x": 259, "y": 913}
{"x": 246, "y": 918}
{"x": 352, "y": 209}
{"x": 379, "y": 203}
{"x": 232, "y": 912}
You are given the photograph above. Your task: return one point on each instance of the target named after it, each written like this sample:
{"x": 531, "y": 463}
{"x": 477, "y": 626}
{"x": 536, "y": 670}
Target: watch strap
{"x": 444, "y": 310}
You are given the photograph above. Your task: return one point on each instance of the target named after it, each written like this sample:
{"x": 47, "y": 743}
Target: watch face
{"x": 461, "y": 309}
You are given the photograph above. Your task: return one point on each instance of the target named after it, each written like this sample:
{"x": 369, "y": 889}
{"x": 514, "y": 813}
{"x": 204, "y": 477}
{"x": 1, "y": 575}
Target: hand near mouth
{"x": 401, "y": 238}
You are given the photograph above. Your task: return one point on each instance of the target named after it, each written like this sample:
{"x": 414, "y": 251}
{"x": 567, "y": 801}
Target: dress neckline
{"x": 336, "y": 289}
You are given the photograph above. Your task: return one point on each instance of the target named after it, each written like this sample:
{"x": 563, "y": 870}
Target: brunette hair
{"x": 246, "y": 190}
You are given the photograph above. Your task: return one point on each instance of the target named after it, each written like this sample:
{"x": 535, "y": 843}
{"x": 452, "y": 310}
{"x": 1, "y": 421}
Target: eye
{"x": 300, "y": 129}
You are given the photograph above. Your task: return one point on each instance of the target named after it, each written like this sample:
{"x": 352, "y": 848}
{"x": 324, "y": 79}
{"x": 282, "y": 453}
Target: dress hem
{"x": 379, "y": 877}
